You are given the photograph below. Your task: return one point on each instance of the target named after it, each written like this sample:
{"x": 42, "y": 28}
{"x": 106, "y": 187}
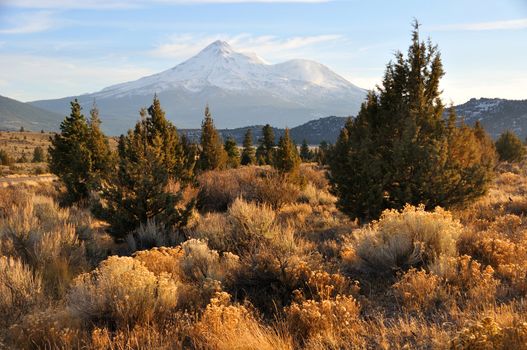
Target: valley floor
{"x": 266, "y": 265}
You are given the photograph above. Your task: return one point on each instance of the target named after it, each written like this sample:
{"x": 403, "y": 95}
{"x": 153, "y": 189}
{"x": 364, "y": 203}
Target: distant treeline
{"x": 313, "y": 132}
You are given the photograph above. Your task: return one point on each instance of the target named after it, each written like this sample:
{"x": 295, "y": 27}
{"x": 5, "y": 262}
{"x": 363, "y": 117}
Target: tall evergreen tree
{"x": 101, "y": 156}
{"x": 510, "y": 148}
{"x": 70, "y": 156}
{"x": 400, "y": 149}
{"x": 248, "y": 154}
{"x": 286, "y": 158}
{"x": 150, "y": 156}
{"x": 233, "y": 154}
{"x": 212, "y": 155}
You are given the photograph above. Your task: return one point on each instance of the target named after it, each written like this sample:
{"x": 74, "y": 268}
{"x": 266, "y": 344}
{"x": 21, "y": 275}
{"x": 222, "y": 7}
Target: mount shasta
{"x": 241, "y": 89}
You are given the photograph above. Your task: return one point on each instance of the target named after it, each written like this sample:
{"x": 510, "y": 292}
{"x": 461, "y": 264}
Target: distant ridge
{"x": 496, "y": 115}
{"x": 15, "y": 114}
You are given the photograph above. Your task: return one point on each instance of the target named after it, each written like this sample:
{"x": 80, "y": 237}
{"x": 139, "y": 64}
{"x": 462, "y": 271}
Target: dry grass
{"x": 257, "y": 271}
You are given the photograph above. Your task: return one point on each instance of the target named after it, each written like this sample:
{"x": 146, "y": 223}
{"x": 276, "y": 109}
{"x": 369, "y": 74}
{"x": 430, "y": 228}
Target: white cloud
{"x": 119, "y": 4}
{"x": 32, "y": 77}
{"x": 269, "y": 46}
{"x": 495, "y": 25}
{"x": 32, "y": 22}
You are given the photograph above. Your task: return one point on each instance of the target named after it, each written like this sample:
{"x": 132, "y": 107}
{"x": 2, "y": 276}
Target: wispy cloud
{"x": 31, "y": 22}
{"x": 269, "y": 46}
{"x": 520, "y": 23}
{"x": 121, "y": 4}
{"x": 57, "y": 77}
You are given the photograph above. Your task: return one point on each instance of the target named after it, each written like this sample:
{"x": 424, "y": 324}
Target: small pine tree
{"x": 22, "y": 129}
{"x": 248, "y": 154}
{"x": 212, "y": 155}
{"x": 265, "y": 151}
{"x": 305, "y": 153}
{"x": 38, "y": 155}
{"x": 510, "y": 147}
{"x": 286, "y": 158}
{"x": 138, "y": 191}
{"x": 233, "y": 154}
{"x": 70, "y": 157}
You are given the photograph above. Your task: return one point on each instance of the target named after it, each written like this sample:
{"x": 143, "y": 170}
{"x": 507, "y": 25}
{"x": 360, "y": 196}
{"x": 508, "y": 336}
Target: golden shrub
{"x": 420, "y": 291}
{"x": 227, "y": 326}
{"x": 329, "y": 320}
{"x": 250, "y": 224}
{"x": 20, "y": 289}
{"x": 122, "y": 291}
{"x": 51, "y": 328}
{"x": 411, "y": 237}
{"x": 470, "y": 281}
{"x": 488, "y": 335}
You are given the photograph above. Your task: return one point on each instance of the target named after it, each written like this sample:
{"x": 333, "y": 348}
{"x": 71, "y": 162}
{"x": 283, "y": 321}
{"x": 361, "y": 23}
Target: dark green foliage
{"x": 306, "y": 154}
{"x": 248, "y": 154}
{"x": 212, "y": 155}
{"x": 233, "y": 154}
{"x": 150, "y": 156}
{"x": 70, "y": 157}
{"x": 510, "y": 147}
{"x": 22, "y": 129}
{"x": 265, "y": 151}
{"x": 80, "y": 155}
{"x": 286, "y": 158}
{"x": 5, "y": 158}
{"x": 401, "y": 150}
{"x": 38, "y": 155}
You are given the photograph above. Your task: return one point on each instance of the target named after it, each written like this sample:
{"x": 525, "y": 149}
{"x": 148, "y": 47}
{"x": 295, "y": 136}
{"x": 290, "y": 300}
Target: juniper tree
{"x": 286, "y": 158}
{"x": 38, "y": 155}
{"x": 212, "y": 155}
{"x": 399, "y": 149}
{"x": 233, "y": 154}
{"x": 70, "y": 156}
{"x": 510, "y": 148}
{"x": 150, "y": 156}
{"x": 248, "y": 153}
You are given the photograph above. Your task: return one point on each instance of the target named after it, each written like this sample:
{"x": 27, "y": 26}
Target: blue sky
{"x": 57, "y": 48}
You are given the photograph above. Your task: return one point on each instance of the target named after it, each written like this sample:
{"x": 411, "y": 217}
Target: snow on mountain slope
{"x": 240, "y": 88}
{"x": 218, "y": 65}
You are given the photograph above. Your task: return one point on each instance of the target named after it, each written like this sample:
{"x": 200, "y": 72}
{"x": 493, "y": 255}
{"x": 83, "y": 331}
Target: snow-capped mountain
{"x": 241, "y": 89}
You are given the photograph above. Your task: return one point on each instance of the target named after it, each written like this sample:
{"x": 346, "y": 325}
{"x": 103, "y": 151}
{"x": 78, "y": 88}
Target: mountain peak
{"x": 218, "y": 47}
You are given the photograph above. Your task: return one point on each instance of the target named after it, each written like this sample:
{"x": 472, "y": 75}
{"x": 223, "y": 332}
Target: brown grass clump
{"x": 487, "y": 334}
{"x": 410, "y": 238}
{"x": 420, "y": 291}
{"x": 122, "y": 292}
{"x": 470, "y": 281}
{"x": 20, "y": 289}
{"x": 330, "y": 323}
{"x": 219, "y": 189}
{"x": 227, "y": 326}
